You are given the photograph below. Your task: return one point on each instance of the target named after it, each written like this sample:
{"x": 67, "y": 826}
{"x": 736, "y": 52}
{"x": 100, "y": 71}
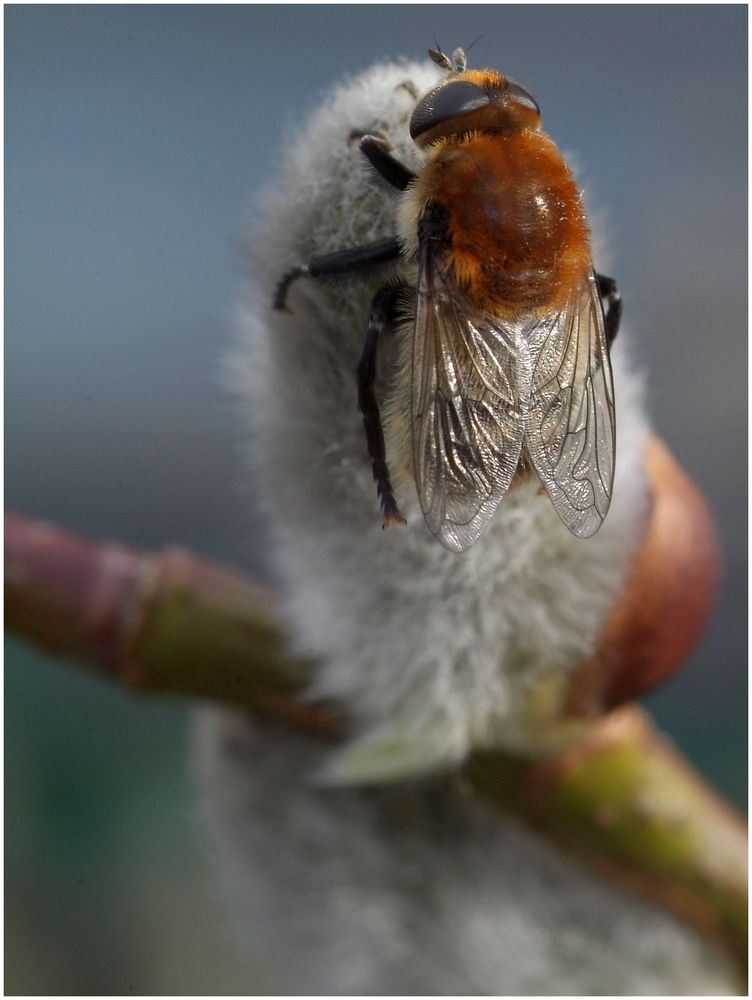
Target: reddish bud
{"x": 668, "y": 598}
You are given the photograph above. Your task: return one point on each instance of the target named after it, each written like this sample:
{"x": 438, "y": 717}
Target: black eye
{"x": 450, "y": 100}
{"x": 522, "y": 97}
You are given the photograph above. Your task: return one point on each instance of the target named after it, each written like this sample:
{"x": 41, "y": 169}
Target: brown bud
{"x": 668, "y": 598}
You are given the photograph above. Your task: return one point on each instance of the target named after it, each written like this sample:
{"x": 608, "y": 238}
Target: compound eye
{"x": 522, "y": 97}
{"x": 450, "y": 100}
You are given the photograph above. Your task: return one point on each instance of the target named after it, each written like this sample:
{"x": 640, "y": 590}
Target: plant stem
{"x": 622, "y": 800}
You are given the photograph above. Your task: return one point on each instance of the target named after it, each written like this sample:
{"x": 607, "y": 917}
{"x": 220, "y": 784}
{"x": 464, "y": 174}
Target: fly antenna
{"x": 472, "y": 44}
{"x": 440, "y": 58}
{"x": 459, "y": 61}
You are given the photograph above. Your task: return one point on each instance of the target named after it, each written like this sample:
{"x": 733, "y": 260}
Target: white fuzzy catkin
{"x": 416, "y": 889}
{"x": 410, "y": 888}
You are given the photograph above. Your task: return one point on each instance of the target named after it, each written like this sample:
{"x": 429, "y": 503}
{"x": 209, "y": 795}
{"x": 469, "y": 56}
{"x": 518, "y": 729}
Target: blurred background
{"x": 136, "y": 136}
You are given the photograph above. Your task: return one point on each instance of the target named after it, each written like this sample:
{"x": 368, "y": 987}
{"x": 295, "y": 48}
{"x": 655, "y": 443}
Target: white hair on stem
{"x": 407, "y": 888}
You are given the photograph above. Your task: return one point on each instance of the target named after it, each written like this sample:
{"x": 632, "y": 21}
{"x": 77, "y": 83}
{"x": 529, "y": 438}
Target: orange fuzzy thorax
{"x": 519, "y": 237}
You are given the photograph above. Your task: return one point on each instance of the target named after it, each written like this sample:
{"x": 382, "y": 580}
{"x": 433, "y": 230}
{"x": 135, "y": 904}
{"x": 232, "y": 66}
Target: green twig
{"x": 622, "y": 800}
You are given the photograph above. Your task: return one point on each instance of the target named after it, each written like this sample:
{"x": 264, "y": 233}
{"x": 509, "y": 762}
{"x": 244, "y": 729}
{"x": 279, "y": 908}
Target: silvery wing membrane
{"x": 570, "y": 420}
{"x": 467, "y": 422}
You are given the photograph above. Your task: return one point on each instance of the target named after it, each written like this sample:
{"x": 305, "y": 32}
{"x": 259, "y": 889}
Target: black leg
{"x": 410, "y": 87}
{"x": 377, "y": 130}
{"x": 608, "y": 290}
{"x": 376, "y": 150}
{"x": 342, "y": 262}
{"x": 383, "y": 311}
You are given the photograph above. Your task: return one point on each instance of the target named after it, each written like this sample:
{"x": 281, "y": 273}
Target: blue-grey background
{"x": 135, "y": 137}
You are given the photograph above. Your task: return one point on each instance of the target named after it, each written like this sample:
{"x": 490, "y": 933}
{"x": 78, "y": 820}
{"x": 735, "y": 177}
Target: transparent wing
{"x": 570, "y": 423}
{"x": 467, "y": 421}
